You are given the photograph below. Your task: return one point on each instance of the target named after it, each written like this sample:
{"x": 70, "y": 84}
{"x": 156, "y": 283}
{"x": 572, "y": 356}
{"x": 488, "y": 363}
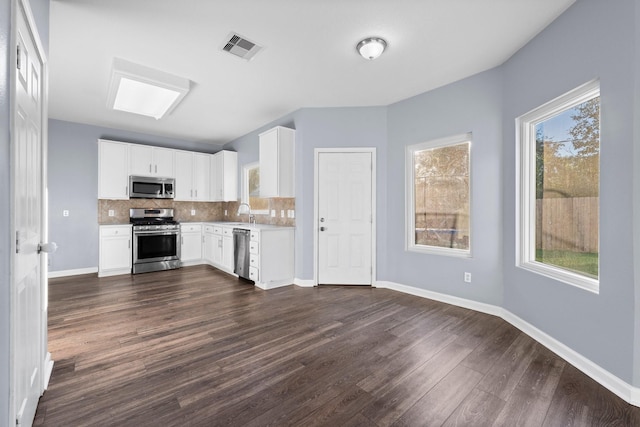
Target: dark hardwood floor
{"x": 197, "y": 347}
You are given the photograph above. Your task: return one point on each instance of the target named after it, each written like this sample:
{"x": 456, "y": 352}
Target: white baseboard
{"x": 620, "y": 388}
{"x": 304, "y": 283}
{"x": 75, "y": 272}
{"x": 48, "y": 370}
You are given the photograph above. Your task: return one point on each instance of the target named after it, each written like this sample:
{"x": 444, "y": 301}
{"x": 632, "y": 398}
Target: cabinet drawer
{"x": 114, "y": 231}
{"x": 254, "y": 247}
{"x": 217, "y": 230}
{"x": 227, "y": 231}
{"x": 254, "y": 274}
{"x": 255, "y": 236}
{"x": 254, "y": 261}
{"x": 191, "y": 228}
{"x": 208, "y": 229}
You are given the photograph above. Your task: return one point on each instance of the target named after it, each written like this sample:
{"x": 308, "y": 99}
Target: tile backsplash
{"x": 204, "y": 211}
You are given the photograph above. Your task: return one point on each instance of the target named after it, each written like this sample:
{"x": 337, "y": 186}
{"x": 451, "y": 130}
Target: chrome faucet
{"x": 245, "y": 211}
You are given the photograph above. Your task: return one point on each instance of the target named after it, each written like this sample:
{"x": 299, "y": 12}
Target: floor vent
{"x": 240, "y": 46}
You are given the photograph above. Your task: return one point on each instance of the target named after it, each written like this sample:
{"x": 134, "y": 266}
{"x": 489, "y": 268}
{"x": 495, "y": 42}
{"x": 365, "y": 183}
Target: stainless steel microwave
{"x": 149, "y": 187}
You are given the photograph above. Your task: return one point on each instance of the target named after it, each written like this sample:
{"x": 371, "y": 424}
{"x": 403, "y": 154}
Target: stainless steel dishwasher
{"x": 241, "y": 239}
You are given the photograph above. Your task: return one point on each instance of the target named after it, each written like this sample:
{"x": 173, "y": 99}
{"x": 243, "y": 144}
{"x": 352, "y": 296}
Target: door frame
{"x": 46, "y": 364}
{"x": 316, "y": 206}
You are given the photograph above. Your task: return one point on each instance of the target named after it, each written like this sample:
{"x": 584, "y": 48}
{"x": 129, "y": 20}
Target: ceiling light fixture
{"x": 371, "y": 47}
{"x": 142, "y": 90}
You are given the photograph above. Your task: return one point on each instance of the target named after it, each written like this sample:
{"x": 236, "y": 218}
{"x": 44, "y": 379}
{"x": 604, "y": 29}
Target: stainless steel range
{"x": 156, "y": 240}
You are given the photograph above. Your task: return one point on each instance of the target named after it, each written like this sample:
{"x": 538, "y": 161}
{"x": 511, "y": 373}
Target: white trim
{"x": 410, "y": 218}
{"x": 273, "y": 285}
{"x": 16, "y": 8}
{"x": 448, "y": 299}
{"x": 48, "y": 370}
{"x": 303, "y": 283}
{"x": 74, "y": 272}
{"x": 316, "y": 196}
{"x": 526, "y": 186}
{"x": 620, "y": 388}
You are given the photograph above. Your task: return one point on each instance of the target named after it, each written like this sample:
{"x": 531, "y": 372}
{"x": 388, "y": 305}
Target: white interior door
{"x": 28, "y": 304}
{"x": 344, "y": 218}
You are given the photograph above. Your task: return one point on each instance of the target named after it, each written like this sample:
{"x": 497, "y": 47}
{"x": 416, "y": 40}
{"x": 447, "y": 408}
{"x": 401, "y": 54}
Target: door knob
{"x": 323, "y": 228}
{"x": 48, "y": 248}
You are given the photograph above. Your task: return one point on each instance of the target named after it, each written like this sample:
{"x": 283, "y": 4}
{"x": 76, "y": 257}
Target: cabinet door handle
{"x": 149, "y": 167}
{"x": 156, "y": 168}
{"x": 126, "y": 190}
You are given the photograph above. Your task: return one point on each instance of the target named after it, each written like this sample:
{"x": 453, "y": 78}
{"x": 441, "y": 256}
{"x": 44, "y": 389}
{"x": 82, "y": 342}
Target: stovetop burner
{"x": 142, "y": 216}
{"x": 152, "y": 221}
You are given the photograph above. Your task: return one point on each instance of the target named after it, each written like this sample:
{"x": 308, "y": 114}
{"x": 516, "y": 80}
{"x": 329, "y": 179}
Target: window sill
{"x": 564, "y": 276}
{"x": 434, "y": 250}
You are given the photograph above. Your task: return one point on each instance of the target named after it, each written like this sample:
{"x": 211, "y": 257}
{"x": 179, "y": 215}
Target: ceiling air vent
{"x": 241, "y": 46}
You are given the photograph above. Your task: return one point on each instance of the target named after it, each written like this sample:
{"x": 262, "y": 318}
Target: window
{"x": 251, "y": 189}
{"x": 559, "y": 145}
{"x": 438, "y": 196}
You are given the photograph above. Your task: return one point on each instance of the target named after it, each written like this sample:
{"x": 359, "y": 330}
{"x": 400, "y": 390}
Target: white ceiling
{"x": 308, "y": 60}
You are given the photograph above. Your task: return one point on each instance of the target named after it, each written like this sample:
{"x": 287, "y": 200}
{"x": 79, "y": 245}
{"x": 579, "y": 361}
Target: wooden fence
{"x": 567, "y": 224}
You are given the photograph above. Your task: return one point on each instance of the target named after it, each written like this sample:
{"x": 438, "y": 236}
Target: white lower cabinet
{"x": 227, "y": 249}
{"x": 271, "y": 254}
{"x": 190, "y": 244}
{"x": 271, "y": 251}
{"x": 218, "y": 247}
{"x": 115, "y": 250}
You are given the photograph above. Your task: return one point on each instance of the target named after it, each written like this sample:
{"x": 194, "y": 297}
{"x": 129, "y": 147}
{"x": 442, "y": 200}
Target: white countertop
{"x": 243, "y": 225}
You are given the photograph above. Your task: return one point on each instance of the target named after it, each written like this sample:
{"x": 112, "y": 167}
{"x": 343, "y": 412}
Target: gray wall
{"x": 636, "y": 194}
{"x": 323, "y": 128}
{"x": 73, "y": 185}
{"x": 592, "y": 39}
{"x": 5, "y": 207}
{"x": 40, "y": 9}
{"x": 471, "y": 105}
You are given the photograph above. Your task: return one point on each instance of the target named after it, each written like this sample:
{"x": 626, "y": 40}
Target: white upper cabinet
{"x": 277, "y": 156}
{"x": 192, "y": 174}
{"x": 113, "y": 170}
{"x": 184, "y": 175}
{"x": 224, "y": 176}
{"x": 151, "y": 161}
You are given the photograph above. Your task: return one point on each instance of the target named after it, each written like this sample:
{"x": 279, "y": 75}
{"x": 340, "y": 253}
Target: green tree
{"x": 585, "y": 134}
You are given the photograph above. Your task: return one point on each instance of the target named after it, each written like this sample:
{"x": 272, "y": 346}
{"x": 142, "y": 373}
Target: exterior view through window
{"x": 560, "y": 221}
{"x": 440, "y": 195}
{"x": 252, "y": 190}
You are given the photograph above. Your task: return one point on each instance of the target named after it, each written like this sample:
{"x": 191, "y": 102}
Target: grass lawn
{"x": 580, "y": 262}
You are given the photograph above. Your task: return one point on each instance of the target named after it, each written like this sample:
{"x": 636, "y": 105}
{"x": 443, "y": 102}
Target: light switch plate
{"x": 281, "y": 213}
{"x": 273, "y": 213}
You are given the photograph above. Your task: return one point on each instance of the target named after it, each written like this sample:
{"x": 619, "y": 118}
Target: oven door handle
{"x": 156, "y": 233}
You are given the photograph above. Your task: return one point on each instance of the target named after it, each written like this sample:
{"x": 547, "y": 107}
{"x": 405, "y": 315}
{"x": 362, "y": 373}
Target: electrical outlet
{"x": 273, "y": 213}
{"x": 467, "y": 277}
{"x": 293, "y": 213}
{"x": 65, "y": 212}
{"x": 225, "y": 212}
{"x": 193, "y": 212}
{"x": 112, "y": 212}
{"x": 281, "y": 213}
